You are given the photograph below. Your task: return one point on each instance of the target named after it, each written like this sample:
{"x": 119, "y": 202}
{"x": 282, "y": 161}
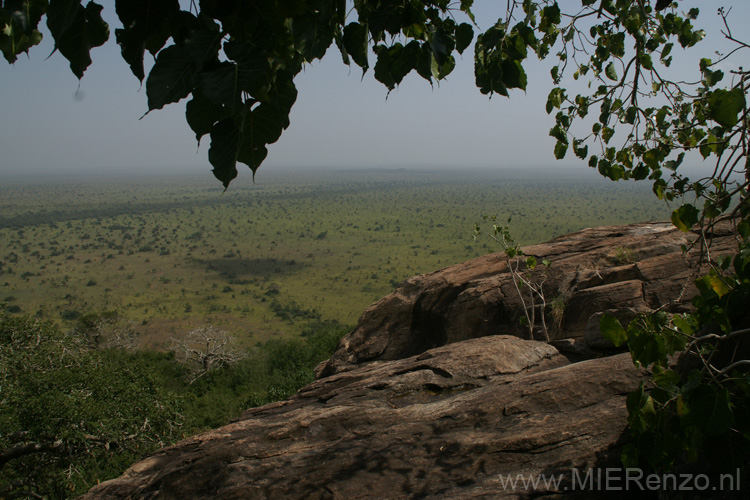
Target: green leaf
{"x": 743, "y": 227}
{"x": 436, "y": 70}
{"x": 714, "y": 283}
{"x": 514, "y": 75}
{"x": 611, "y": 71}
{"x": 685, "y": 217}
{"x": 466, "y": 7}
{"x": 558, "y": 133}
{"x": 550, "y": 18}
{"x": 684, "y": 324}
{"x": 580, "y": 151}
{"x": 646, "y": 345}
{"x": 488, "y": 70}
{"x": 612, "y": 330}
{"x": 555, "y": 99}
{"x": 724, "y": 106}
{"x": 20, "y": 20}
{"x": 653, "y": 158}
{"x": 710, "y": 410}
{"x": 171, "y": 79}
{"x": 630, "y": 456}
{"x": 666, "y": 378}
{"x": 560, "y": 150}
{"x": 646, "y": 61}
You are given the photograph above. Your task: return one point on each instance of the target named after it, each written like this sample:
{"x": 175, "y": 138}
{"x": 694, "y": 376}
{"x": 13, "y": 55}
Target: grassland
{"x": 264, "y": 260}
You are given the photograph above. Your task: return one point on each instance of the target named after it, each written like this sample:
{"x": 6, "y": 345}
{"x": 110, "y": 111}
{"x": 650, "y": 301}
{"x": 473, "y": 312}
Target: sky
{"x": 52, "y": 123}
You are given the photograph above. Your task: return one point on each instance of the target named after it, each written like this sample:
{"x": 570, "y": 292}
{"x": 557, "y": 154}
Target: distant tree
{"x": 205, "y": 349}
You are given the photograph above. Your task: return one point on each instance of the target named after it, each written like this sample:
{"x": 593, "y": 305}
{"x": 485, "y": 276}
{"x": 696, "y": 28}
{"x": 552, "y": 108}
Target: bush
{"x": 92, "y": 412}
{"x": 75, "y": 416}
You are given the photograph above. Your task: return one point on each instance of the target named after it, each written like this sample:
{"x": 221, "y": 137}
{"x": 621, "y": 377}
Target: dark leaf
{"x": 145, "y": 25}
{"x": 145, "y": 15}
{"x": 514, "y": 75}
{"x": 20, "y": 19}
{"x": 442, "y": 45}
{"x": 132, "y": 50}
{"x": 710, "y": 410}
{"x": 202, "y": 45}
{"x": 171, "y": 79}
{"x": 355, "y": 42}
{"x": 662, "y": 4}
{"x": 244, "y": 138}
{"x": 464, "y": 37}
{"x": 86, "y": 30}
{"x": 395, "y": 62}
{"x": 223, "y": 83}
{"x": 225, "y": 140}
{"x": 265, "y": 123}
{"x": 252, "y": 68}
{"x": 60, "y": 16}
{"x": 202, "y": 114}
{"x": 312, "y": 35}
{"x": 339, "y": 39}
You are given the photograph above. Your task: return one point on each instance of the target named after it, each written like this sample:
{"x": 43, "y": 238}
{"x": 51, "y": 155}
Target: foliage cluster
{"x": 72, "y": 414}
{"x": 698, "y": 408}
{"x": 642, "y": 125}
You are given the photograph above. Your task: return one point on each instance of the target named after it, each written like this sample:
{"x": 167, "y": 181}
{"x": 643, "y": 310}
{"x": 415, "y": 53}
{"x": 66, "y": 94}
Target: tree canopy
{"x": 612, "y": 101}
{"x": 235, "y": 63}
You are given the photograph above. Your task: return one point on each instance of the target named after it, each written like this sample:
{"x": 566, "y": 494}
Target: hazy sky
{"x": 50, "y": 124}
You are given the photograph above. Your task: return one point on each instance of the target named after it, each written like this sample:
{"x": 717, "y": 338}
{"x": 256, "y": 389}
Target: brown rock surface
{"x": 619, "y": 269}
{"x": 425, "y": 400}
{"x": 443, "y": 424}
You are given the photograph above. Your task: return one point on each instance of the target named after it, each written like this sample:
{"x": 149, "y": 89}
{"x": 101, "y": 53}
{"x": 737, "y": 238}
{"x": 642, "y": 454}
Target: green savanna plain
{"x": 264, "y": 260}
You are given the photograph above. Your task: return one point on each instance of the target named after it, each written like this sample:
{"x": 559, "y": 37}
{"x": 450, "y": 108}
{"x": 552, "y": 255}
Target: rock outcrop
{"x": 620, "y": 270}
{"x": 435, "y": 394}
{"x": 444, "y": 424}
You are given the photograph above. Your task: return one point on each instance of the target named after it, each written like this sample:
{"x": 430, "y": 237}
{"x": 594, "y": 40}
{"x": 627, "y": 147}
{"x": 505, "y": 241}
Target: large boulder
{"x": 458, "y": 421}
{"x": 435, "y": 395}
{"x": 621, "y": 270}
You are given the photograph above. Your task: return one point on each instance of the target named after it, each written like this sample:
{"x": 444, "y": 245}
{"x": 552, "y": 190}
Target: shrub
{"x": 69, "y": 421}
